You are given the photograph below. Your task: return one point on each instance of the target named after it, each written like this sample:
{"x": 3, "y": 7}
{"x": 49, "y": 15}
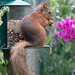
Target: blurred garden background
{"x": 60, "y": 36}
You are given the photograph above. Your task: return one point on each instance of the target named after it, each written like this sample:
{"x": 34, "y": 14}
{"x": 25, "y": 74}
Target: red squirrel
{"x": 32, "y": 28}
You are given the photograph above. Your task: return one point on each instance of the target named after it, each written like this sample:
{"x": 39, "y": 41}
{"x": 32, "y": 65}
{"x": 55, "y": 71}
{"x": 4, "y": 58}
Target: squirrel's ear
{"x": 44, "y": 5}
{"x": 42, "y": 9}
{"x": 41, "y": 3}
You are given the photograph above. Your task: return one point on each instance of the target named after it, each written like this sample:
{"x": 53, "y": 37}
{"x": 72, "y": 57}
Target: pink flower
{"x": 67, "y": 30}
{"x": 56, "y": 33}
{"x": 64, "y": 26}
{"x": 67, "y": 21}
{"x": 50, "y": 32}
{"x": 70, "y": 23}
{"x": 61, "y": 33}
{"x": 73, "y": 71}
{"x": 73, "y": 26}
{"x": 52, "y": 27}
{"x": 53, "y": 42}
{"x": 67, "y": 38}
{"x": 73, "y": 38}
{"x": 59, "y": 25}
{"x": 74, "y": 54}
{"x": 63, "y": 21}
{"x": 73, "y": 22}
{"x": 72, "y": 33}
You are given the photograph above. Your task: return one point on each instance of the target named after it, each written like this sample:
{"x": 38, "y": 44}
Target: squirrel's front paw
{"x": 51, "y": 22}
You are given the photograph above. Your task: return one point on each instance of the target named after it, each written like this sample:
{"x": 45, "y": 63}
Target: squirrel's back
{"x": 32, "y": 25}
{"x": 32, "y": 30}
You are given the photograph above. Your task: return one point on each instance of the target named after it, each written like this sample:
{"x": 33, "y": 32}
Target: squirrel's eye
{"x": 49, "y": 12}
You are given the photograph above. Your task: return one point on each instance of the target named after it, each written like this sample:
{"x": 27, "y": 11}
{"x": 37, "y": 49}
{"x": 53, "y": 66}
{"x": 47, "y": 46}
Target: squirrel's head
{"x": 45, "y": 10}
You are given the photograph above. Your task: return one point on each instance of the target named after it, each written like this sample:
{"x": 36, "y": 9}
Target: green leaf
{"x": 0, "y": 73}
{"x": 48, "y": 39}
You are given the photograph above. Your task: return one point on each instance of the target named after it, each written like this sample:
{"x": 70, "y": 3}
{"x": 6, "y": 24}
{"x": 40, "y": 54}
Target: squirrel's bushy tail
{"x": 18, "y": 58}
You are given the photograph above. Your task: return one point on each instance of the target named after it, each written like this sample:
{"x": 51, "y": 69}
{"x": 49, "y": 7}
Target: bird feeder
{"x": 3, "y": 28}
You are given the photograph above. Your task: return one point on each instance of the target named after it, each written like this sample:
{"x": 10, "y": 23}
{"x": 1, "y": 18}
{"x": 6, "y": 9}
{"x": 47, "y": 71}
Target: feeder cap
{"x": 17, "y": 3}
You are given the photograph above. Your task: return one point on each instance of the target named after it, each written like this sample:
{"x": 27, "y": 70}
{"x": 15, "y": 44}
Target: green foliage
{"x": 62, "y": 61}
{"x": 48, "y": 39}
{"x": 4, "y": 9}
{"x": 62, "y": 54}
{"x": 3, "y": 70}
{"x": 62, "y": 8}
